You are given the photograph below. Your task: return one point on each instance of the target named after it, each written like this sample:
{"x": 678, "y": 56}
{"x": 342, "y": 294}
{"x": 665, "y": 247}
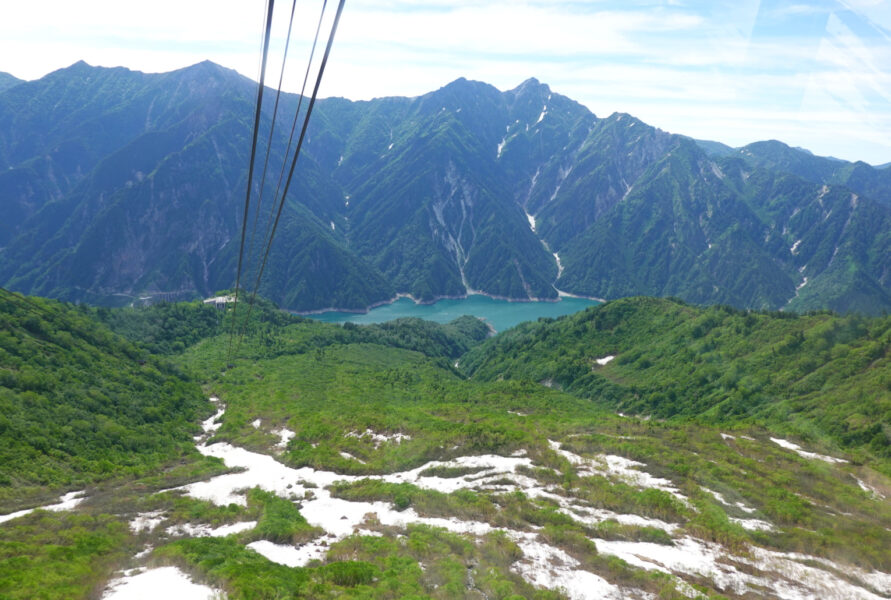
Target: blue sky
{"x": 813, "y": 74}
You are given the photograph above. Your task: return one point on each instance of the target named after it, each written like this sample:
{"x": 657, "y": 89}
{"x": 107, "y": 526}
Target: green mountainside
{"x": 819, "y": 376}
{"x": 706, "y": 473}
{"x": 7, "y": 81}
{"x": 859, "y": 177}
{"x": 79, "y": 404}
{"x": 119, "y": 185}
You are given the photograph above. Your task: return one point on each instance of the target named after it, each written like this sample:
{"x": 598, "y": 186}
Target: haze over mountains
{"x": 119, "y": 184}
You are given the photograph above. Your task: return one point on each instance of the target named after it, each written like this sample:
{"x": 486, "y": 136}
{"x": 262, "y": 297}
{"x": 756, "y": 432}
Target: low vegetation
{"x": 369, "y": 401}
{"x": 824, "y": 378}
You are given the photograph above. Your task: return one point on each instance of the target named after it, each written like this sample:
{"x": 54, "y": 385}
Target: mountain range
{"x": 119, "y": 185}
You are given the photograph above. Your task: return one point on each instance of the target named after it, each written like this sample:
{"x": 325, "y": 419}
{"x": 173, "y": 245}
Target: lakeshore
{"x": 500, "y": 314}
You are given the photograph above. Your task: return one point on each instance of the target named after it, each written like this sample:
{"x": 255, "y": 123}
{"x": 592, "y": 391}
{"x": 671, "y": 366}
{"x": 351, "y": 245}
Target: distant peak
{"x": 463, "y": 82}
{"x": 204, "y": 65}
{"x": 464, "y": 85}
{"x": 207, "y": 68}
{"x": 774, "y": 144}
{"x": 78, "y": 68}
{"x": 81, "y": 64}
{"x": 530, "y": 84}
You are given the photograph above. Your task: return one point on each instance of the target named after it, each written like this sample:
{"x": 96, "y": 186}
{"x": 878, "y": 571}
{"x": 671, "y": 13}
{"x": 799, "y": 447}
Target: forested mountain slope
{"x": 7, "y": 81}
{"x": 820, "y": 376}
{"x": 118, "y": 185}
{"x": 79, "y": 404}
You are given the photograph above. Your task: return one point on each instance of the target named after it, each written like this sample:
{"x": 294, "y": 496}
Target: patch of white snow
{"x": 805, "y": 454}
{"x": 285, "y": 435}
{"x": 191, "y": 530}
{"x": 66, "y": 502}
{"x": 382, "y": 438}
{"x": 349, "y": 456}
{"x": 869, "y": 489}
{"x": 147, "y": 521}
{"x": 291, "y": 556}
{"x": 163, "y": 582}
{"x": 552, "y": 568}
{"x": 559, "y": 265}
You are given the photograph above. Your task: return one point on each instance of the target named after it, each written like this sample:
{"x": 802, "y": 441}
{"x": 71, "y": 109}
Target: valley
{"x": 484, "y": 340}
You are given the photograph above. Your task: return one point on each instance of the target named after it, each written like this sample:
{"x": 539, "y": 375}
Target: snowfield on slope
{"x": 787, "y": 576}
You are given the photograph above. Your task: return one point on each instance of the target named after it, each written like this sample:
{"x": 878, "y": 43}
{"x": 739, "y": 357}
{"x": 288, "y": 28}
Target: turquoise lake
{"x": 501, "y": 314}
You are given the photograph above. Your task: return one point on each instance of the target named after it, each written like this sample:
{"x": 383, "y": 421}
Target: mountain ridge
{"x": 465, "y": 189}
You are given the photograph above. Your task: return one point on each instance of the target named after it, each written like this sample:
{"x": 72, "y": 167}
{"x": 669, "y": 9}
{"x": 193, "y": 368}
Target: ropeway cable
{"x": 247, "y": 199}
{"x": 278, "y": 94}
{"x": 284, "y": 194}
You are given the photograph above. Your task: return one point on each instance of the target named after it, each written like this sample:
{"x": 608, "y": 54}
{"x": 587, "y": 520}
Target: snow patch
{"x": 753, "y": 524}
{"x": 869, "y": 489}
{"x": 501, "y": 146}
{"x": 382, "y": 438}
{"x": 147, "y": 521}
{"x": 544, "y": 111}
{"x": 687, "y": 556}
{"x": 285, "y": 435}
{"x": 163, "y": 582}
{"x": 192, "y": 530}
{"x": 604, "y": 360}
{"x": 559, "y": 265}
{"x": 620, "y": 467}
{"x": 720, "y": 498}
{"x": 349, "y": 456}
{"x": 541, "y": 565}
{"x": 552, "y": 568}
{"x": 291, "y": 556}
{"x": 66, "y": 502}
{"x": 805, "y": 454}
{"x": 256, "y": 423}
{"x": 211, "y": 424}
{"x": 794, "y": 248}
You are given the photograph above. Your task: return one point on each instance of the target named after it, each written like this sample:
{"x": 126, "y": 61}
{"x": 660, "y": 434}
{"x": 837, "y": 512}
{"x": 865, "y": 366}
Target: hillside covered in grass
{"x": 821, "y": 376}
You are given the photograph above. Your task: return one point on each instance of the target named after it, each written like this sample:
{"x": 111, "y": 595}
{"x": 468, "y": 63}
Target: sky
{"x": 813, "y": 74}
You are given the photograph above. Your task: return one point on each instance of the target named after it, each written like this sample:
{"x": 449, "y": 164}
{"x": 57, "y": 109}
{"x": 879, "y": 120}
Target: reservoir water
{"x": 500, "y": 314}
